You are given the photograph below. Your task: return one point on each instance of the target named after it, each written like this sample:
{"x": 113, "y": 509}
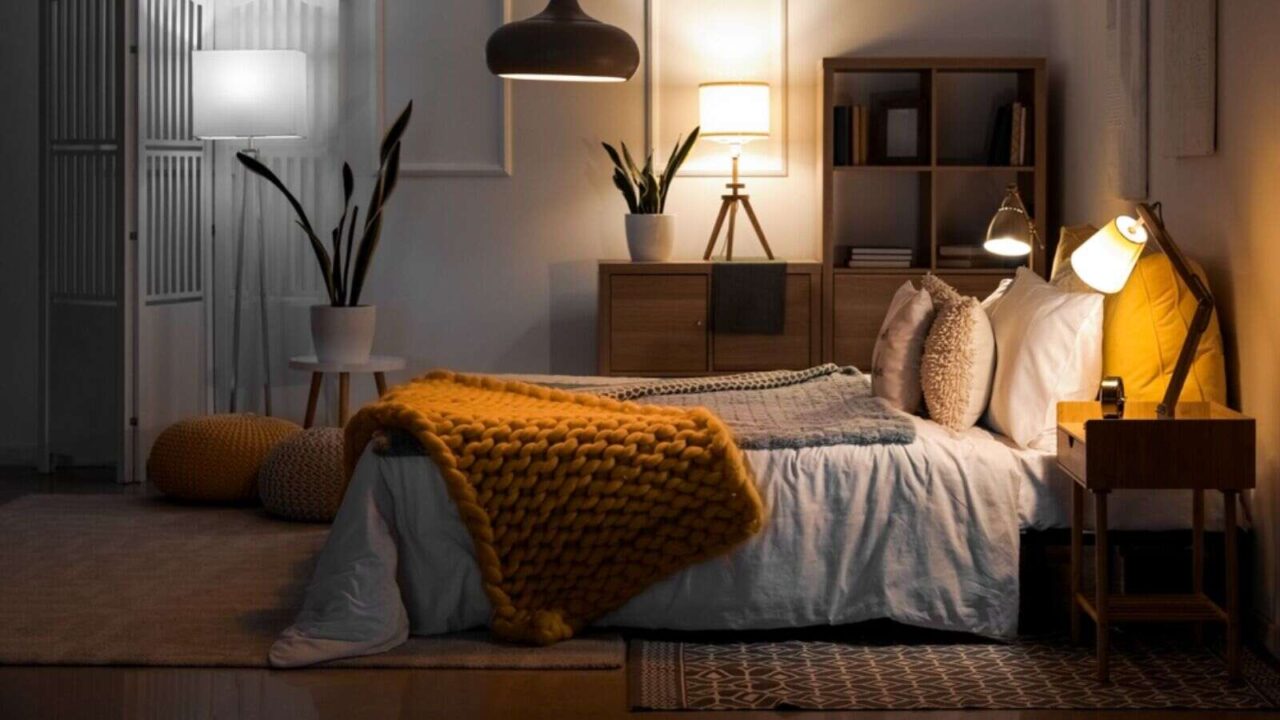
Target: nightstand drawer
{"x": 1071, "y": 454}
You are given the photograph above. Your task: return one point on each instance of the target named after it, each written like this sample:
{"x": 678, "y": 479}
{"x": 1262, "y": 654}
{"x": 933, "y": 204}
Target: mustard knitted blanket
{"x": 575, "y": 503}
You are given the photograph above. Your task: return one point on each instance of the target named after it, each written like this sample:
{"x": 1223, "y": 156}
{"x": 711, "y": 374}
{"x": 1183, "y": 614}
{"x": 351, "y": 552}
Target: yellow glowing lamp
{"x": 734, "y": 113}
{"x": 1106, "y": 259}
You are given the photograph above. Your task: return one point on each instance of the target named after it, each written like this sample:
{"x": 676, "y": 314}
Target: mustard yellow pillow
{"x": 1144, "y": 326}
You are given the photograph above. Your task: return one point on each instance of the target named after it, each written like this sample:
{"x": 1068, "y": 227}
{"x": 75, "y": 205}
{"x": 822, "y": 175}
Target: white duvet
{"x": 925, "y": 534}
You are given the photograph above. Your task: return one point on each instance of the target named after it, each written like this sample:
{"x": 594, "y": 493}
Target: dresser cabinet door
{"x": 860, "y": 302}
{"x": 658, "y": 324}
{"x": 788, "y": 351}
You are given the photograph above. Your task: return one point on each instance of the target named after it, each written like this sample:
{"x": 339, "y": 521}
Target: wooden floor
{"x": 70, "y": 693}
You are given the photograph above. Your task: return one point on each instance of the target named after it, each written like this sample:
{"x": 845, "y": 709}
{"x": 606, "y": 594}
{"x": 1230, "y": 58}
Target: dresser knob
{"x": 697, "y": 323}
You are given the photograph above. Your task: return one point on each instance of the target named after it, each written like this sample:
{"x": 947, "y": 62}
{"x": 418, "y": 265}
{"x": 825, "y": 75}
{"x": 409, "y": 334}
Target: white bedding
{"x": 925, "y": 534}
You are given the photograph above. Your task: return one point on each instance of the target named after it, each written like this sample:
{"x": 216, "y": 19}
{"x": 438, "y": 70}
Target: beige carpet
{"x": 117, "y": 580}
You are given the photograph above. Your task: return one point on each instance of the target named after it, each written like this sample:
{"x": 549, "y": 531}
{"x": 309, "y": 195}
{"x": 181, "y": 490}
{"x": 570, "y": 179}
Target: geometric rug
{"x": 120, "y": 580}
{"x": 1147, "y": 673}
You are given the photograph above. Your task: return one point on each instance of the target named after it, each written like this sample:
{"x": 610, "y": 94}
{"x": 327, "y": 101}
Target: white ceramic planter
{"x": 651, "y": 237}
{"x": 343, "y": 334}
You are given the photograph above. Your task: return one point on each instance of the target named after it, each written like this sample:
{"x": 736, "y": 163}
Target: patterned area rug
{"x": 1147, "y": 674}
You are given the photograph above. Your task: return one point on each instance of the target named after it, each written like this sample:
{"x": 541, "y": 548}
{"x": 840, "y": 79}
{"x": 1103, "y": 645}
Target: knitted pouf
{"x": 303, "y": 478}
{"x": 215, "y": 458}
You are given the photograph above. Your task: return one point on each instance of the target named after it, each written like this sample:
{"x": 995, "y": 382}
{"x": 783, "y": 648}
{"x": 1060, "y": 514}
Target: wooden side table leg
{"x": 1077, "y": 554}
{"x": 1102, "y": 556}
{"x": 1197, "y": 555}
{"x": 1233, "y": 583}
{"x": 317, "y": 382}
{"x": 344, "y": 397}
{"x": 380, "y": 379}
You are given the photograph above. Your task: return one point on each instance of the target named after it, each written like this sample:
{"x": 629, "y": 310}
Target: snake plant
{"x": 344, "y": 278}
{"x": 645, "y": 192}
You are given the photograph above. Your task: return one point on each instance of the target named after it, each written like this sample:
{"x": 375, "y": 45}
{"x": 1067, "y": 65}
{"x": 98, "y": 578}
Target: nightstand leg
{"x": 1102, "y": 556}
{"x": 1197, "y": 555}
{"x": 1077, "y": 555}
{"x": 317, "y": 381}
{"x": 1233, "y": 583}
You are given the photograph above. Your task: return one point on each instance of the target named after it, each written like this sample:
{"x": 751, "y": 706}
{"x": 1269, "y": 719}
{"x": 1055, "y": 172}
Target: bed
{"x": 925, "y": 533}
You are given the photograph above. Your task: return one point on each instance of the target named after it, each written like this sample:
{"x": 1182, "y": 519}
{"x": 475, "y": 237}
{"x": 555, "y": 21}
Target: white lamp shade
{"x": 1105, "y": 260}
{"x": 249, "y": 94}
{"x": 734, "y": 112}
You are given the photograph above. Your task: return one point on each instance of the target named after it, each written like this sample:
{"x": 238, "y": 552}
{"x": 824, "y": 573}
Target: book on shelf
{"x": 842, "y": 138}
{"x": 849, "y": 135}
{"x": 858, "y": 251}
{"x": 960, "y": 251}
{"x": 1009, "y": 139}
{"x": 904, "y": 263}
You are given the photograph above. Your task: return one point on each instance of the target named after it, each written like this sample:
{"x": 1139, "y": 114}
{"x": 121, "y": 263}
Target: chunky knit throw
{"x": 575, "y": 503}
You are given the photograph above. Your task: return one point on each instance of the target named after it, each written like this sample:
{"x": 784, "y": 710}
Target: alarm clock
{"x": 1111, "y": 395}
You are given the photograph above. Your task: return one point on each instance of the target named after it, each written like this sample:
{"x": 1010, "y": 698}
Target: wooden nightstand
{"x": 1207, "y": 447}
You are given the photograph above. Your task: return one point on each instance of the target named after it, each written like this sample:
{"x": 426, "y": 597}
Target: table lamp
{"x": 248, "y": 95}
{"x": 1012, "y": 231}
{"x": 734, "y": 113}
{"x": 1105, "y": 261}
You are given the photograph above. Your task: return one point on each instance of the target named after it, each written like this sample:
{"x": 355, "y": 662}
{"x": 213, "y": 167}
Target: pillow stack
{"x": 1010, "y": 358}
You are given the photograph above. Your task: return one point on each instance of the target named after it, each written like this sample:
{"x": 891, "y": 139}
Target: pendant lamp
{"x": 562, "y": 43}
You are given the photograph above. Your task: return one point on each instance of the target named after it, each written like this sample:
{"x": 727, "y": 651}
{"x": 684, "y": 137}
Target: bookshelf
{"x": 924, "y": 189}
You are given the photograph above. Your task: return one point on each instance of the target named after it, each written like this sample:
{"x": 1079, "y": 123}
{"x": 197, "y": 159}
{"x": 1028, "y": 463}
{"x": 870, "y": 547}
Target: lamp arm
{"x": 1022, "y": 208}
{"x": 1199, "y": 322}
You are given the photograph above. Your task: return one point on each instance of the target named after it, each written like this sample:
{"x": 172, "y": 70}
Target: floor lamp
{"x": 249, "y": 95}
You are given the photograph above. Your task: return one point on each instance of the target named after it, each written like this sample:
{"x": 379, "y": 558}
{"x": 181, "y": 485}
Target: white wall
{"x": 1222, "y": 209}
{"x": 499, "y": 274}
{"x": 19, "y": 251}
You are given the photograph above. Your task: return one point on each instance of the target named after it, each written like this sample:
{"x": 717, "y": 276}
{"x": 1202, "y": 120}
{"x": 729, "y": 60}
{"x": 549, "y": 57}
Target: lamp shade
{"x": 734, "y": 112}
{"x": 1010, "y": 231}
{"x": 249, "y": 94}
{"x": 1105, "y": 260}
{"x": 562, "y": 43}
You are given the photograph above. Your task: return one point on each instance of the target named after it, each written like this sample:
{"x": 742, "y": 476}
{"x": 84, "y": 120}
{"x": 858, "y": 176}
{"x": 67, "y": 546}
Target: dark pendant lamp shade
{"x": 562, "y": 43}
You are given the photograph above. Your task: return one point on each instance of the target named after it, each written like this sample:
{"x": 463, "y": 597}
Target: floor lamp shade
{"x": 734, "y": 112}
{"x": 562, "y": 43}
{"x": 249, "y": 94}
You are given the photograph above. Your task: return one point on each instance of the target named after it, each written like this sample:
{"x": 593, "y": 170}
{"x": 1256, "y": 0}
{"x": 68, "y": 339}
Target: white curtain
{"x": 339, "y": 39}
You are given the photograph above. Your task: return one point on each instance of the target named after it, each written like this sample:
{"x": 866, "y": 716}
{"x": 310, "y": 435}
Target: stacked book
{"x": 879, "y": 257}
{"x": 1009, "y": 140}
{"x": 963, "y": 256}
{"x": 850, "y": 128}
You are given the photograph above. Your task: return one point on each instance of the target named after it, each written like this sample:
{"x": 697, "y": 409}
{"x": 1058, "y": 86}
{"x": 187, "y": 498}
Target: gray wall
{"x": 1222, "y": 210}
{"x": 19, "y": 250}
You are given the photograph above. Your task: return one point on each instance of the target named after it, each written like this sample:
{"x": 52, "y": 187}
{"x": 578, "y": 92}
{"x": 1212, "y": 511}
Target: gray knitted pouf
{"x": 302, "y": 478}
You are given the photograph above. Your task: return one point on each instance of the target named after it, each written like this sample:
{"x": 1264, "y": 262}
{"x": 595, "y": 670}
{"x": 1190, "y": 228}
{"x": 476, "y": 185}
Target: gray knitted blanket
{"x": 820, "y": 406}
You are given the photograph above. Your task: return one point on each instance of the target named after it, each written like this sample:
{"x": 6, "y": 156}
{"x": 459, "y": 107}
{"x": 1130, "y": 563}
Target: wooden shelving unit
{"x": 947, "y": 200}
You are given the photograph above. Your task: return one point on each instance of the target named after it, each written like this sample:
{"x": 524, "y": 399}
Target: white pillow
{"x": 895, "y": 362}
{"x": 997, "y": 296}
{"x": 959, "y": 355}
{"x": 1048, "y": 349}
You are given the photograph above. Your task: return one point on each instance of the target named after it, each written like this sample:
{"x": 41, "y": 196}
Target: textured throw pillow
{"x": 959, "y": 356}
{"x": 1049, "y": 348}
{"x": 895, "y": 362}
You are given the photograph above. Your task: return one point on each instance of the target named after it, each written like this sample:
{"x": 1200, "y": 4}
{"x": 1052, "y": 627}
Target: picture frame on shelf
{"x": 899, "y": 129}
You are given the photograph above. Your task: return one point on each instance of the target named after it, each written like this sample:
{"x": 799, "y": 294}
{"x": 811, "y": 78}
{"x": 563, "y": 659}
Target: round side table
{"x": 377, "y": 365}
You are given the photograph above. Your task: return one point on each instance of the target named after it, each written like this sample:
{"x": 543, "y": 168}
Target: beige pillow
{"x": 895, "y": 362}
{"x": 959, "y": 358}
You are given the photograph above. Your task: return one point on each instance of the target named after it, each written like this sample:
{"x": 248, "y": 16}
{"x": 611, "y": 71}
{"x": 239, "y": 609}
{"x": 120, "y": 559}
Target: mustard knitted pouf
{"x": 215, "y": 458}
{"x": 303, "y": 478}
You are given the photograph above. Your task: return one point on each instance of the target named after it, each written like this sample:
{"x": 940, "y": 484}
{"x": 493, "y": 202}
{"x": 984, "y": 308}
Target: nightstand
{"x": 1206, "y": 447}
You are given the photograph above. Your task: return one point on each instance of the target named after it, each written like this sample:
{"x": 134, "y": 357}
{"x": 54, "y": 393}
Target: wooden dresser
{"x": 655, "y": 320}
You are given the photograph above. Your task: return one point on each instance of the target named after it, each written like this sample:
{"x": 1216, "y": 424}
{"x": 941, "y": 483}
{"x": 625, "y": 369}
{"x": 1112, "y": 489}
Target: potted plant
{"x": 650, "y": 231}
{"x": 342, "y": 330}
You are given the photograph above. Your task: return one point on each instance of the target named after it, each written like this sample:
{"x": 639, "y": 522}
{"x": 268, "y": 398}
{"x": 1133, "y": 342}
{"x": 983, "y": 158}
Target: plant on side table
{"x": 650, "y": 231}
{"x": 342, "y": 330}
